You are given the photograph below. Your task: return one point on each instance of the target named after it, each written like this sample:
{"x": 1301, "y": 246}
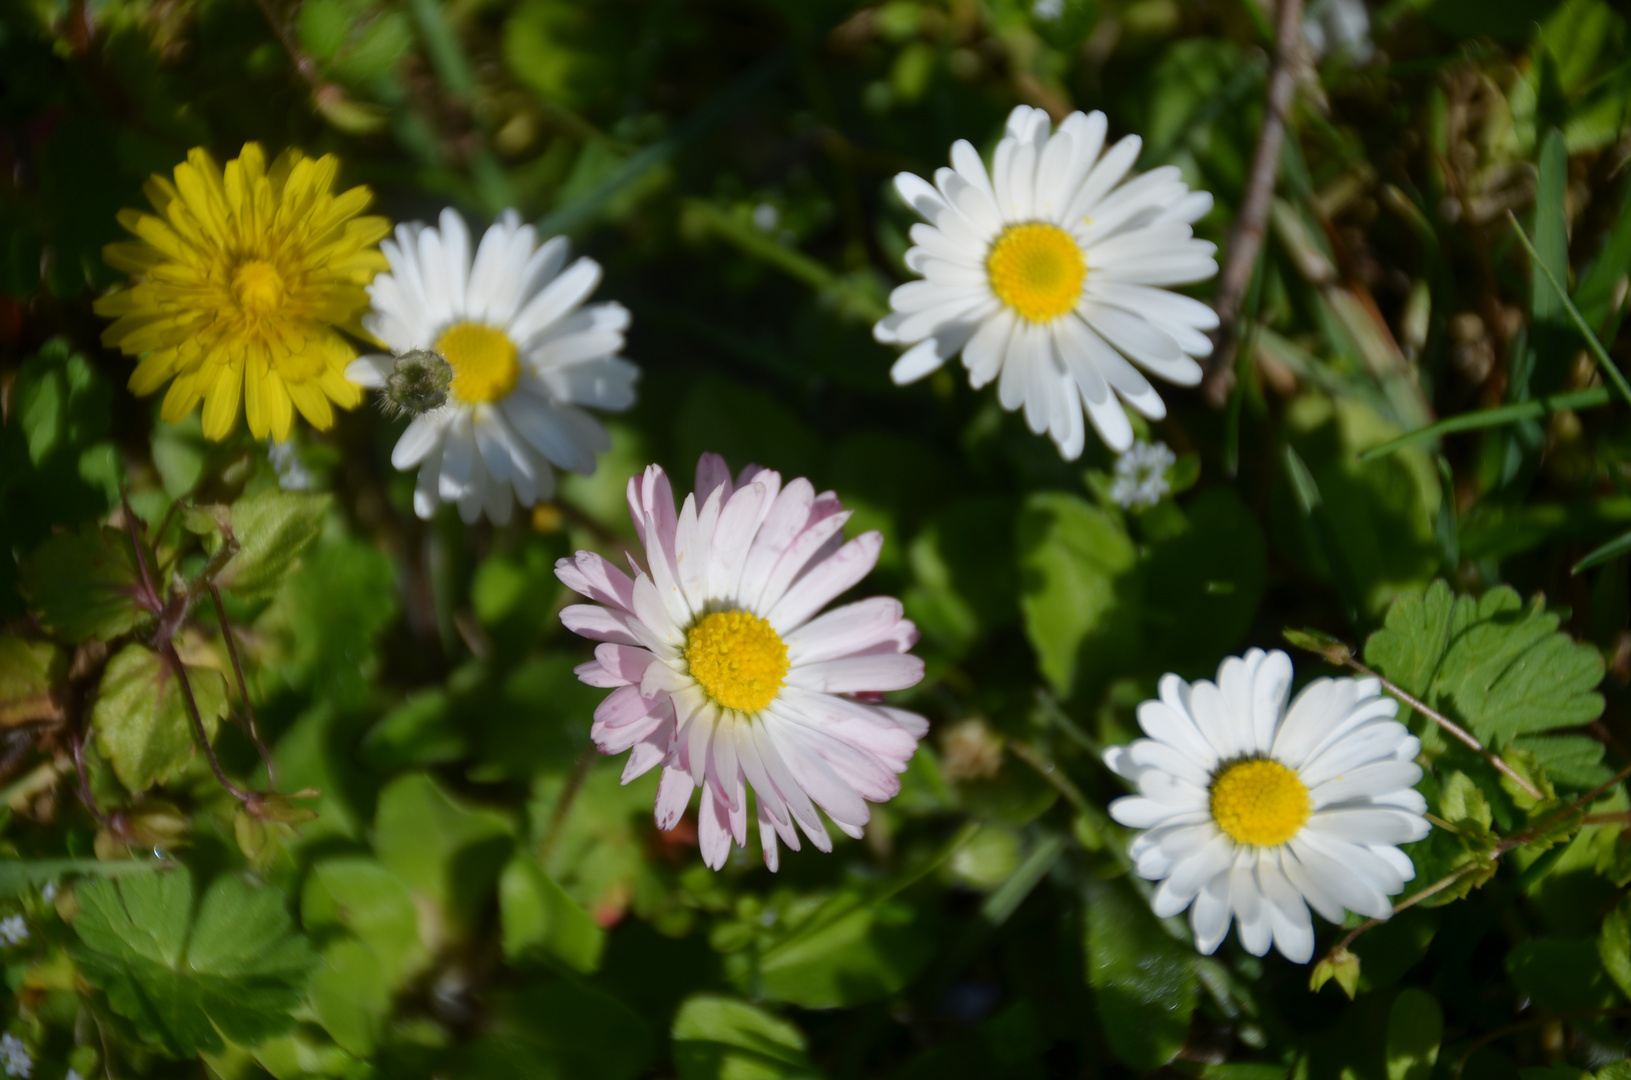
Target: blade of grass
{"x": 1325, "y": 534}
{"x": 1487, "y": 418}
{"x": 1616, "y": 547}
{"x": 1598, "y": 353}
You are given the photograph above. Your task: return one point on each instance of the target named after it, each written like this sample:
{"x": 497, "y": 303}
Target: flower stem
{"x": 243, "y": 689}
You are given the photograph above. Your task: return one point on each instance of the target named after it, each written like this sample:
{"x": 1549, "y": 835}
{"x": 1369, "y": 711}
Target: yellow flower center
{"x": 1260, "y": 802}
{"x": 258, "y": 287}
{"x": 483, "y": 359}
{"x": 1037, "y": 270}
{"x": 739, "y": 660}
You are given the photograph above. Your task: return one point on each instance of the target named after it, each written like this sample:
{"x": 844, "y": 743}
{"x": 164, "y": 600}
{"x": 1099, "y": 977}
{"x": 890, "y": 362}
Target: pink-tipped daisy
{"x": 726, "y": 672}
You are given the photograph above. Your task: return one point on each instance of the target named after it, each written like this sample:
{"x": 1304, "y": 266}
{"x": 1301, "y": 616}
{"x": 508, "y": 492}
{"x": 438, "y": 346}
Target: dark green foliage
{"x": 1422, "y": 463}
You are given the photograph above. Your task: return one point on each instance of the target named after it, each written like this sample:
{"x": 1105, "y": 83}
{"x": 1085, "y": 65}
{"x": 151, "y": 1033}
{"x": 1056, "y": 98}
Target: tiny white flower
{"x": 1339, "y": 26}
{"x": 1048, "y": 10}
{"x": 1141, "y": 475}
{"x": 766, "y": 217}
{"x": 528, "y": 359}
{"x": 15, "y": 1058}
{"x": 292, "y": 474}
{"x": 73, "y": 1075}
{"x": 48, "y": 892}
{"x": 1255, "y": 811}
{"x": 1049, "y": 275}
{"x": 13, "y": 930}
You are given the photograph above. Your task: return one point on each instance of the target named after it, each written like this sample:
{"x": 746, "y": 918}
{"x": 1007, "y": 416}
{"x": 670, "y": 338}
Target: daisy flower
{"x": 523, "y": 358}
{"x": 1141, "y": 475}
{"x": 1047, "y": 276}
{"x": 725, "y": 670}
{"x": 242, "y": 278}
{"x": 1255, "y": 811}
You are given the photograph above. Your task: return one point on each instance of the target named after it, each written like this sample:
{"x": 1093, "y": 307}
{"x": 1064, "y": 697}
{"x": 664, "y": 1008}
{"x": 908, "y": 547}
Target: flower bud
{"x": 418, "y": 384}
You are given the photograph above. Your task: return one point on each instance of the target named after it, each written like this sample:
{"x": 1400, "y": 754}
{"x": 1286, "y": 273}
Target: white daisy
{"x": 727, "y": 674}
{"x": 1141, "y": 475}
{"x": 1254, "y": 811}
{"x": 1045, "y": 275}
{"x": 526, "y": 359}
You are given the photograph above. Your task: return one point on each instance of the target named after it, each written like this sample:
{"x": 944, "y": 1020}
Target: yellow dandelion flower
{"x": 242, "y": 277}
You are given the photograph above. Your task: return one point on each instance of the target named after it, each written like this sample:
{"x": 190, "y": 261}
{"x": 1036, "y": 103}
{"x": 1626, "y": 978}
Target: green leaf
{"x": 561, "y": 1030}
{"x": 1614, "y": 947}
{"x": 350, "y": 995}
{"x": 141, "y": 720}
{"x": 1073, "y": 560}
{"x": 272, "y": 528}
{"x": 19, "y": 875}
{"x": 722, "y": 1038}
{"x": 1560, "y": 975}
{"x": 83, "y": 584}
{"x": 235, "y": 972}
{"x": 1213, "y": 573}
{"x": 962, "y": 567}
{"x": 1492, "y": 663}
{"x": 849, "y": 951}
{"x": 374, "y": 905}
{"x": 1594, "y": 296}
{"x": 538, "y": 917}
{"x": 1144, "y": 980}
{"x": 1574, "y": 761}
{"x": 327, "y": 615}
{"x": 28, "y": 669}
{"x": 1415, "y": 1028}
{"x": 447, "y": 851}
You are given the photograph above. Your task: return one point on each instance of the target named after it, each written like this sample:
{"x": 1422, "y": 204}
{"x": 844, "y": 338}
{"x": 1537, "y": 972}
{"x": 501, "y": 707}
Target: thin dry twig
{"x": 1251, "y": 224}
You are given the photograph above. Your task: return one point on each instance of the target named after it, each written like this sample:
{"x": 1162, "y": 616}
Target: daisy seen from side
{"x": 1255, "y": 811}
{"x": 1049, "y": 275}
{"x": 725, "y": 671}
{"x": 526, "y": 359}
{"x": 244, "y": 278}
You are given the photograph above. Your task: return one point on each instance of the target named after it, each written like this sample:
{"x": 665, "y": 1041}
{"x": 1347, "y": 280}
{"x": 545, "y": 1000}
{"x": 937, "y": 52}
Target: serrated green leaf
{"x": 1462, "y": 803}
{"x": 1072, "y": 559}
{"x": 1492, "y": 663}
{"x": 141, "y": 719}
{"x": 539, "y": 918}
{"x": 233, "y": 972}
{"x": 1144, "y": 980}
{"x": 1573, "y": 761}
{"x": 83, "y": 584}
{"x": 722, "y": 1038}
{"x": 272, "y": 528}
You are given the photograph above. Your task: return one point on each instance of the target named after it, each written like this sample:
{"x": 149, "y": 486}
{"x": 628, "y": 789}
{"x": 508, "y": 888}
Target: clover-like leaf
{"x": 1493, "y": 663}
{"x": 83, "y": 584}
{"x": 233, "y": 972}
{"x": 272, "y": 528}
{"x": 141, "y": 719}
